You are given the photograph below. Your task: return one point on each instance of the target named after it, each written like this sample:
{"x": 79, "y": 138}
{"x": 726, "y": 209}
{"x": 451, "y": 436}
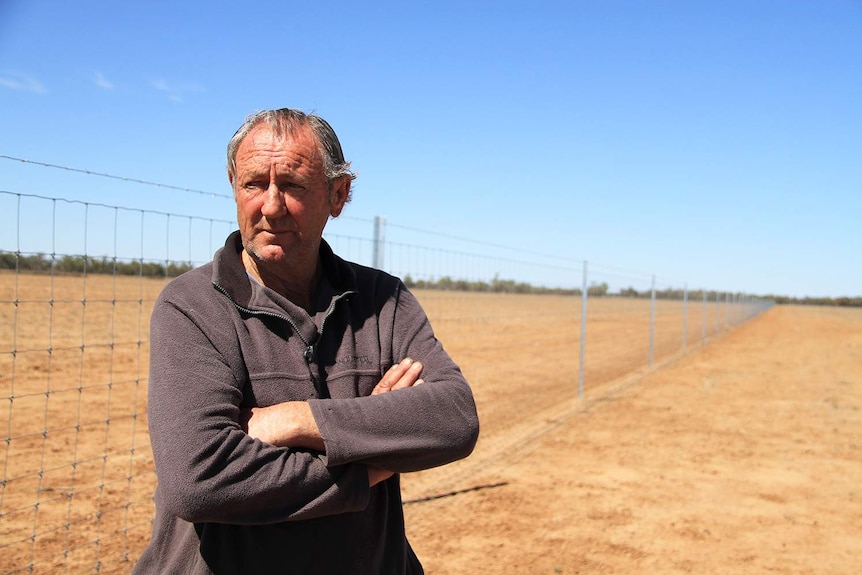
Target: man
{"x": 289, "y": 388}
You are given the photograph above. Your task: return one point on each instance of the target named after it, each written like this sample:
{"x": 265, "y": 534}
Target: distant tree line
{"x": 697, "y": 295}
{"x": 497, "y": 285}
{"x": 44, "y": 263}
{"x": 674, "y": 293}
{"x": 836, "y": 301}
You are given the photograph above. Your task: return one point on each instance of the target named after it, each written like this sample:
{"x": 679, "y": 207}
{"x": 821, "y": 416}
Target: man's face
{"x": 282, "y": 198}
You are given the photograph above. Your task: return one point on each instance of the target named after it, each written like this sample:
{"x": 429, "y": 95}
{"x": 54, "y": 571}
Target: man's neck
{"x": 296, "y": 281}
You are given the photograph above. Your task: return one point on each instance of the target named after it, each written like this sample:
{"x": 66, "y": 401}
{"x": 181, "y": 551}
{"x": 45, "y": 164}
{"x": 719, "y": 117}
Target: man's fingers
{"x": 392, "y": 376}
{"x": 410, "y": 377}
{"x": 403, "y": 374}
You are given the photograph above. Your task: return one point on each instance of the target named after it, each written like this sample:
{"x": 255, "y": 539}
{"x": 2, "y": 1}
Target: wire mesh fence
{"x": 77, "y": 284}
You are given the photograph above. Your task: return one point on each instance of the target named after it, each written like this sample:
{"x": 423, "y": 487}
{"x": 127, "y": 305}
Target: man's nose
{"x": 274, "y": 204}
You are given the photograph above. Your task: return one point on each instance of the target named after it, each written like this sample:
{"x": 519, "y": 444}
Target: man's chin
{"x": 269, "y": 254}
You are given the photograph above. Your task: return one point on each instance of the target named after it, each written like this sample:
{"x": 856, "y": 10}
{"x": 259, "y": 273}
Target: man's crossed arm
{"x": 291, "y": 423}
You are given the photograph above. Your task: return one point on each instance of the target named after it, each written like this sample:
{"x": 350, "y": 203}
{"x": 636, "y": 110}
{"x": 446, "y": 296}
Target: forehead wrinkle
{"x": 286, "y": 132}
{"x": 265, "y": 147}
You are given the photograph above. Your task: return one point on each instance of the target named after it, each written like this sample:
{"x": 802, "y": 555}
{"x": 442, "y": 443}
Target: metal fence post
{"x": 726, "y": 306}
{"x": 703, "y": 326}
{"x": 379, "y": 238}
{"x": 583, "y": 341}
{"x": 737, "y": 309}
{"x": 652, "y": 322}
{"x": 717, "y": 312}
{"x": 733, "y": 309}
{"x": 684, "y": 315}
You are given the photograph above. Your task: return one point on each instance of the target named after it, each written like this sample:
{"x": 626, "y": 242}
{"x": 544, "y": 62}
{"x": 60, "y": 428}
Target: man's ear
{"x": 339, "y": 192}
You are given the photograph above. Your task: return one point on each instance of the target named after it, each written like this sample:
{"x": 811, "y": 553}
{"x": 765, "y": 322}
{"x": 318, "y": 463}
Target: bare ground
{"x": 744, "y": 456}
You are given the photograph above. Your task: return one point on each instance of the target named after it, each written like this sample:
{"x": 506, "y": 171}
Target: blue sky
{"x": 713, "y": 143}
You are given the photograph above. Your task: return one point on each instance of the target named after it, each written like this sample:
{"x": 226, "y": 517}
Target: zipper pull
{"x": 309, "y": 353}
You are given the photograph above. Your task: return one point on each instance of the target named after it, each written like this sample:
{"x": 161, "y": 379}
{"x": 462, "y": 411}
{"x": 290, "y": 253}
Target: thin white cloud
{"x": 21, "y": 83}
{"x": 102, "y": 82}
{"x": 176, "y": 92}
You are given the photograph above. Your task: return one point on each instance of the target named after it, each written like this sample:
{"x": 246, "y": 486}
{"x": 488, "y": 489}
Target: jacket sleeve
{"x": 410, "y": 429}
{"x": 208, "y": 468}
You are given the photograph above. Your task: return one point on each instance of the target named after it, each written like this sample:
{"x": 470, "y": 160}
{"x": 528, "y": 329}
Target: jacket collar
{"x": 231, "y": 277}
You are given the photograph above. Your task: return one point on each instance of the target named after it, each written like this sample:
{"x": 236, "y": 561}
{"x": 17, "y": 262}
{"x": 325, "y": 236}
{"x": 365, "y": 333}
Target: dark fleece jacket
{"x": 228, "y": 503}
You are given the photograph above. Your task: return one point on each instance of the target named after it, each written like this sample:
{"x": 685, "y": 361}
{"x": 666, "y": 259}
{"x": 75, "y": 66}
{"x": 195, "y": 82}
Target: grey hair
{"x": 283, "y": 123}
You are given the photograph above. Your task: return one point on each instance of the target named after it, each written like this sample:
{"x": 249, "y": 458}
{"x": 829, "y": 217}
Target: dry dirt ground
{"x": 744, "y": 456}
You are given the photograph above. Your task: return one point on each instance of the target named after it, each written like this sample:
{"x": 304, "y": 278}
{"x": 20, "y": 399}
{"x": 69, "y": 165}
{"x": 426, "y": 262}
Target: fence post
{"x": 732, "y": 309}
{"x": 379, "y": 238}
{"x": 726, "y": 307}
{"x": 703, "y": 322}
{"x": 717, "y": 312}
{"x": 652, "y": 322}
{"x": 684, "y": 315}
{"x": 583, "y": 341}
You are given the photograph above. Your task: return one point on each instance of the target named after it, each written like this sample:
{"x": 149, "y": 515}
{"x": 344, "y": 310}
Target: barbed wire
{"x": 111, "y": 206}
{"x": 114, "y": 177}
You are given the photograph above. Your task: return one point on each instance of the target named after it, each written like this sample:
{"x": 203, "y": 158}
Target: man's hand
{"x": 401, "y": 375}
{"x": 288, "y": 424}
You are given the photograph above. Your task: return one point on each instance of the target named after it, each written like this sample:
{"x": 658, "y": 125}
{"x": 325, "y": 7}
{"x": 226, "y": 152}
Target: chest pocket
{"x": 350, "y": 361}
{"x": 351, "y": 382}
{"x": 276, "y": 367}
